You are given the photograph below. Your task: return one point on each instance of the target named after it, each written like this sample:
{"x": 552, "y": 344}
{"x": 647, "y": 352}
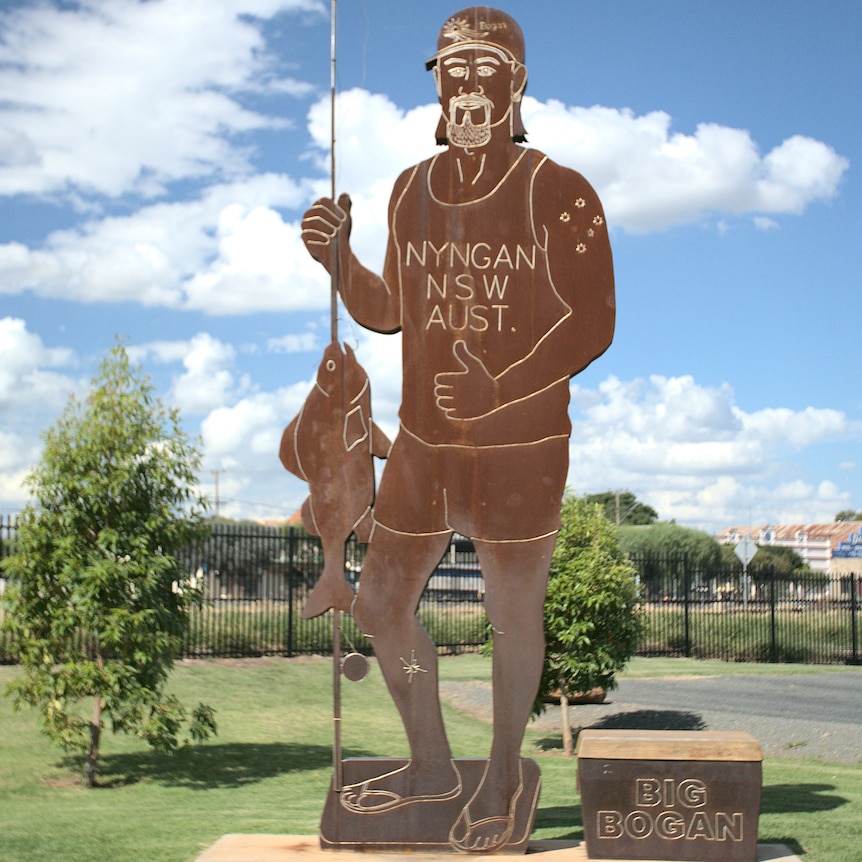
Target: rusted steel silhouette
{"x": 330, "y": 444}
{"x": 498, "y": 274}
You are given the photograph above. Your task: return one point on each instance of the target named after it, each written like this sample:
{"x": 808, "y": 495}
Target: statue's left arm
{"x": 569, "y": 223}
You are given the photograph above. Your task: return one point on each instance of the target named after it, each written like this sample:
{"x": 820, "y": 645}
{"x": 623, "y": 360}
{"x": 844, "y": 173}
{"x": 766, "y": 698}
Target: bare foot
{"x": 487, "y": 821}
{"x": 404, "y": 786}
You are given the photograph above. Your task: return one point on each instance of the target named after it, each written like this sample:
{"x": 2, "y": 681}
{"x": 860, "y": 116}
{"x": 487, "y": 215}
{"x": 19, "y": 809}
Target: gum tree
{"x": 593, "y": 617}
{"x": 96, "y": 602}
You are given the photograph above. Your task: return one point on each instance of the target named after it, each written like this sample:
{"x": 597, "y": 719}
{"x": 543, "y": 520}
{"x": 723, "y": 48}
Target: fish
{"x": 330, "y": 444}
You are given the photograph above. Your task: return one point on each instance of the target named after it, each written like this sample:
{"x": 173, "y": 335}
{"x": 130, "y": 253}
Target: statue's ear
{"x": 519, "y": 82}
{"x": 519, "y": 85}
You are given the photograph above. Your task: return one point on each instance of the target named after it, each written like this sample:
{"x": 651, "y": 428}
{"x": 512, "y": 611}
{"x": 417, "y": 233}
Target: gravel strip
{"x": 815, "y": 716}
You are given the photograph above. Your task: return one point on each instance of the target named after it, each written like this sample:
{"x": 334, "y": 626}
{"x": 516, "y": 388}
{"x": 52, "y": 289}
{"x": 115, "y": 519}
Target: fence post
{"x": 291, "y": 555}
{"x": 854, "y": 608}
{"x": 686, "y": 581}
{"x": 773, "y": 645}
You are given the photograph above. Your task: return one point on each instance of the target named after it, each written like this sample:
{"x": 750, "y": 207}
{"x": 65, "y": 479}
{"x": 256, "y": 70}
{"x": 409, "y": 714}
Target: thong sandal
{"x": 362, "y": 799}
{"x": 462, "y": 832}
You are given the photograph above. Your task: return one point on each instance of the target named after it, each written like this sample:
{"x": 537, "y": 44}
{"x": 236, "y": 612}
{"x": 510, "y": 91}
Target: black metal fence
{"x": 758, "y": 616}
{"x": 255, "y": 581}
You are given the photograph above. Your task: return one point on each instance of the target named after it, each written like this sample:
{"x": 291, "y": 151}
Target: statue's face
{"x": 475, "y": 86}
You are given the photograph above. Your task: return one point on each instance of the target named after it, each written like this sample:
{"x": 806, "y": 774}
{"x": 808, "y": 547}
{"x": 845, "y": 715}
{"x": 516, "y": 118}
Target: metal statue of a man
{"x": 498, "y": 274}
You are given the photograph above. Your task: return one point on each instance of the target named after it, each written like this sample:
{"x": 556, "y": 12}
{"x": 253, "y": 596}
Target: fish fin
{"x": 355, "y": 428}
{"x": 308, "y": 519}
{"x": 287, "y": 453}
{"x": 364, "y": 526}
{"x": 380, "y": 443}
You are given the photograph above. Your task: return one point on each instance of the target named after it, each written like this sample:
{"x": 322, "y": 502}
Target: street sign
{"x": 745, "y": 550}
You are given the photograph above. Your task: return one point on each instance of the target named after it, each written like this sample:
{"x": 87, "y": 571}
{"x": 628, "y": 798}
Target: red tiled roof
{"x": 835, "y": 533}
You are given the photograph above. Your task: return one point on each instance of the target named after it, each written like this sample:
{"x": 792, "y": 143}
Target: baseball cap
{"x": 476, "y": 27}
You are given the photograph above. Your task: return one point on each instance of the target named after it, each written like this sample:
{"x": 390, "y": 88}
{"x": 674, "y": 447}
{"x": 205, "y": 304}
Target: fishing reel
{"x": 354, "y": 666}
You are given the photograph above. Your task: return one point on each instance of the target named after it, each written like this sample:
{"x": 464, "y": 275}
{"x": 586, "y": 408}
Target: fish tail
{"x": 331, "y": 591}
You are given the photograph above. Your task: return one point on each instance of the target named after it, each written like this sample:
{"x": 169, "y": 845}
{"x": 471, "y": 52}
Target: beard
{"x": 461, "y": 129}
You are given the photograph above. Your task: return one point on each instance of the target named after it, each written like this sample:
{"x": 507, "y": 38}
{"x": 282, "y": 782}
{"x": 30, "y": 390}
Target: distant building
{"x": 295, "y": 520}
{"x": 832, "y": 548}
{"x": 847, "y": 557}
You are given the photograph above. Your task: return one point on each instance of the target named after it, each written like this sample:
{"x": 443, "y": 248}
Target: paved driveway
{"x": 798, "y": 715}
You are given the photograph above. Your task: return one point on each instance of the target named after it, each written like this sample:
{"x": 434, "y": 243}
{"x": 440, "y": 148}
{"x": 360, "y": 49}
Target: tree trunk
{"x": 568, "y": 747}
{"x": 93, "y": 748}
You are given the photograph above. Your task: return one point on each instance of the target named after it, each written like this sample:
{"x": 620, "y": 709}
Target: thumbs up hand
{"x": 466, "y": 394}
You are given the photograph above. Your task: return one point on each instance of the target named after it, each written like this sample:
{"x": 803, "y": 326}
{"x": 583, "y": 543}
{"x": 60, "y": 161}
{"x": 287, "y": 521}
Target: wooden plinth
{"x": 306, "y": 848}
{"x": 682, "y": 796}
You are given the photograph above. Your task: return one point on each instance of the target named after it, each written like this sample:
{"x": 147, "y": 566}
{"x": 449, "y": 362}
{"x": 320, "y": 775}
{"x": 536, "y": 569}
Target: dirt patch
{"x": 63, "y": 782}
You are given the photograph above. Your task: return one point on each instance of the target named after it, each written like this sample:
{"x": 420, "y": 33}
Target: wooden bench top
{"x": 668, "y": 745}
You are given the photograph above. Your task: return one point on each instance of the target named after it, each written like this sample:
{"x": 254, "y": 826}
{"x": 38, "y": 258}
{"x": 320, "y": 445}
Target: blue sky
{"x": 156, "y": 158}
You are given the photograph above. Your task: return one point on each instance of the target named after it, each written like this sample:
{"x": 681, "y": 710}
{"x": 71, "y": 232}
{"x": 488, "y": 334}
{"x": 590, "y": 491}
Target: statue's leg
{"x": 395, "y": 572}
{"x": 516, "y": 575}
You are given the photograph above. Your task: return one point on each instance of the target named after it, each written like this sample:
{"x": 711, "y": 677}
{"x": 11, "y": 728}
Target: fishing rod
{"x": 337, "y": 767}
{"x": 333, "y": 293}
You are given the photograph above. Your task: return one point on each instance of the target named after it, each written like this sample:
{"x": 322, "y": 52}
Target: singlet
{"x": 475, "y": 272}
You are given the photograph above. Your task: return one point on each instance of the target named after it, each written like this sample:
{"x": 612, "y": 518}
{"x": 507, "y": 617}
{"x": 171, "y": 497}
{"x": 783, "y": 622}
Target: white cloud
{"x": 726, "y": 502}
{"x": 117, "y": 96}
{"x": 695, "y": 456}
{"x": 231, "y": 251}
{"x": 686, "y": 449}
{"x": 795, "y": 428}
{"x": 122, "y": 99}
{"x": 294, "y": 343}
{"x": 253, "y": 425}
{"x": 12, "y": 495}
{"x": 380, "y": 356}
{"x": 798, "y": 171}
{"x": 764, "y": 223}
{"x": 26, "y": 375}
{"x": 650, "y": 177}
{"x": 242, "y": 438}
{"x": 260, "y": 264}
{"x": 226, "y": 252}
{"x": 243, "y": 441}
{"x": 207, "y": 381}
{"x": 376, "y": 141}
{"x": 35, "y": 381}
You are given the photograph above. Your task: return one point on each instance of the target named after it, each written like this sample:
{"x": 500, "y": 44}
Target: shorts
{"x": 490, "y": 493}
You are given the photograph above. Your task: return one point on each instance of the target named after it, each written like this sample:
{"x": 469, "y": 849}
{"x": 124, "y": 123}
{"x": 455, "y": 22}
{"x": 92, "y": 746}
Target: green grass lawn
{"x": 269, "y": 768}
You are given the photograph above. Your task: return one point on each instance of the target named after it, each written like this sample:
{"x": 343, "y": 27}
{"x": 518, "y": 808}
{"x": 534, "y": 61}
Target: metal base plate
{"x": 420, "y": 826}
